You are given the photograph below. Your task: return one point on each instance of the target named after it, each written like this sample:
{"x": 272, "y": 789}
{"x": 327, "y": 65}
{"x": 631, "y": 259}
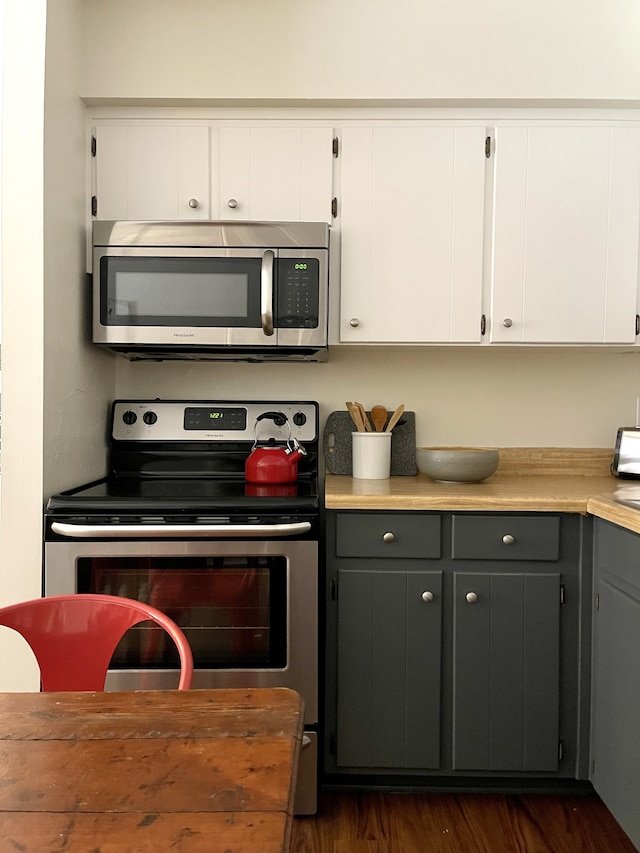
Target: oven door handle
{"x": 181, "y": 531}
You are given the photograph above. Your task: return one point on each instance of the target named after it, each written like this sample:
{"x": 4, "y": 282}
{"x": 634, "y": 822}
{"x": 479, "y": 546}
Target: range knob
{"x": 129, "y": 418}
{"x": 299, "y": 419}
{"x": 149, "y": 418}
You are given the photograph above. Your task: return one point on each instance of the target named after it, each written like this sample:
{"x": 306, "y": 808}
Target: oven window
{"x": 233, "y": 610}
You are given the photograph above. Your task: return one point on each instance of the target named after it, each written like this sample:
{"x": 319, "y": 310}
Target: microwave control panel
{"x": 298, "y": 293}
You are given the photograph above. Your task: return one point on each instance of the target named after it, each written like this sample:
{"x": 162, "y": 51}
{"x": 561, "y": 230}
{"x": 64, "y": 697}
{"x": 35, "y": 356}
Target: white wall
{"x": 53, "y": 407}
{"x": 362, "y": 49}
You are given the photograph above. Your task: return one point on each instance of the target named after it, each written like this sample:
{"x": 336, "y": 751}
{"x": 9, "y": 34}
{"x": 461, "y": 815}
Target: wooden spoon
{"x": 378, "y": 417}
{"x": 395, "y": 417}
{"x": 356, "y": 417}
{"x": 365, "y": 419}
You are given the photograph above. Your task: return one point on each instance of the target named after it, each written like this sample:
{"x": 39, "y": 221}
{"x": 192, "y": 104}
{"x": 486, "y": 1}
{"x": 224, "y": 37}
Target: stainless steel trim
{"x": 266, "y": 292}
{"x": 187, "y": 531}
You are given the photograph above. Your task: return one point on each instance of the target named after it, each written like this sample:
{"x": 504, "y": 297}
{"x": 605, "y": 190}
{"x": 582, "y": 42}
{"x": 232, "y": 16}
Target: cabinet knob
{"x": 232, "y": 203}
{"x": 471, "y": 597}
{"x": 508, "y": 539}
{"x": 507, "y": 323}
{"x": 388, "y": 537}
{"x": 354, "y": 322}
{"x": 427, "y": 595}
{"x": 193, "y": 203}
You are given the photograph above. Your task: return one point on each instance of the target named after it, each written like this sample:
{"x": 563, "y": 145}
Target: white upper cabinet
{"x": 150, "y": 171}
{"x": 566, "y": 224}
{"x": 146, "y": 170}
{"x": 274, "y": 173}
{"x": 411, "y": 216}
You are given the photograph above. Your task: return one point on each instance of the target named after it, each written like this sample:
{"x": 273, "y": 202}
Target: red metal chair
{"x": 74, "y": 636}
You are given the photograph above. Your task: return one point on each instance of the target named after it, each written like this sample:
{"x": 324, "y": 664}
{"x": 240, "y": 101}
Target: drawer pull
{"x": 388, "y": 537}
{"x": 508, "y": 539}
{"x": 471, "y": 597}
{"x": 427, "y": 595}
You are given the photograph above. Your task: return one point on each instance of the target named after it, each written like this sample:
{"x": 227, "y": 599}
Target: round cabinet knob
{"x": 193, "y": 203}
{"x": 388, "y": 537}
{"x": 507, "y": 323}
{"x": 427, "y": 595}
{"x": 471, "y": 597}
{"x": 232, "y": 203}
{"x": 508, "y": 539}
{"x": 354, "y": 322}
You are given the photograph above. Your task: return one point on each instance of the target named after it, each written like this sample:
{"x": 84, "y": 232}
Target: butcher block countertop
{"x": 539, "y": 479}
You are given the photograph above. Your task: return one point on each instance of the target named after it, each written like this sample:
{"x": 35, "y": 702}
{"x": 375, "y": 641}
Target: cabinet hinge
{"x": 335, "y": 146}
{"x": 94, "y": 205}
{"x": 597, "y": 601}
{"x": 483, "y": 325}
{"x": 637, "y": 325}
{"x": 487, "y": 147}
{"x": 562, "y": 590}
{"x": 560, "y": 749}
{"x": 333, "y": 589}
{"x": 334, "y": 207}
{"x": 94, "y": 146}
{"x": 333, "y": 744}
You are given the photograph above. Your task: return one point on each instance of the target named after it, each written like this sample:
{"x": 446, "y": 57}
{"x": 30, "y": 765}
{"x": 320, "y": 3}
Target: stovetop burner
{"x": 185, "y": 460}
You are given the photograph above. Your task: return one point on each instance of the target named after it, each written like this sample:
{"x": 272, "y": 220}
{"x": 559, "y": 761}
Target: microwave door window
{"x": 176, "y": 292}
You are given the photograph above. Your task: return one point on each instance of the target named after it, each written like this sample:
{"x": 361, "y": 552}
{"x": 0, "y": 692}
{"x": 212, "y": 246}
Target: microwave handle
{"x": 266, "y": 292}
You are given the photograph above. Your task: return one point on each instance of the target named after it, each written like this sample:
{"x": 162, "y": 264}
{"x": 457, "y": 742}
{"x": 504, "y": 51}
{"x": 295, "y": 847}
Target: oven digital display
{"x": 223, "y": 417}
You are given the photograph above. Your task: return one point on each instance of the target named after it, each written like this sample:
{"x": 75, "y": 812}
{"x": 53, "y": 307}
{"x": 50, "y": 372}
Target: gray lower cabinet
{"x": 615, "y": 744}
{"x": 453, "y": 644}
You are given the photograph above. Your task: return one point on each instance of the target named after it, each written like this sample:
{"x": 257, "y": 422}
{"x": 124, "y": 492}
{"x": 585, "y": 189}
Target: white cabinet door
{"x": 565, "y": 240}
{"x": 411, "y": 221}
{"x": 275, "y": 173}
{"x": 147, "y": 171}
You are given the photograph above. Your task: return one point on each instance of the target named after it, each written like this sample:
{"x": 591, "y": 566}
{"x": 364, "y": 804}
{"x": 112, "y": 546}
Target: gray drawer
{"x": 388, "y": 535}
{"x": 505, "y": 537}
{"x": 617, "y": 551}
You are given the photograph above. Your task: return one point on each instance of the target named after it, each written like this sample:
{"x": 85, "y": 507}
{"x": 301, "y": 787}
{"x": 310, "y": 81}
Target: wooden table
{"x": 181, "y": 771}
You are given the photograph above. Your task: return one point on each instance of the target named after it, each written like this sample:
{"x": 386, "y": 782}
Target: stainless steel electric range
{"x": 235, "y": 564}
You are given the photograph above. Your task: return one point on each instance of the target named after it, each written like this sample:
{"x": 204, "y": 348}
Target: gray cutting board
{"x": 336, "y": 442}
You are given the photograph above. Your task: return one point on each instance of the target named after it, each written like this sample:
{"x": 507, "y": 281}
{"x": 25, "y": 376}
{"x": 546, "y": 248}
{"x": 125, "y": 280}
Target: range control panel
{"x": 207, "y": 420}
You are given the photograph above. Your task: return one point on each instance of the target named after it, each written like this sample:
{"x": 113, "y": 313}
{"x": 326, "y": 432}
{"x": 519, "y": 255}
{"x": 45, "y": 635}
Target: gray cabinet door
{"x": 506, "y": 671}
{"x": 616, "y": 705}
{"x": 388, "y": 690}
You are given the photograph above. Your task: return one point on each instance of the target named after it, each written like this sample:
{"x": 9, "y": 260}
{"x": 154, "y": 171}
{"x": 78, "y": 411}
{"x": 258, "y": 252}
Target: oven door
{"x": 249, "y": 609}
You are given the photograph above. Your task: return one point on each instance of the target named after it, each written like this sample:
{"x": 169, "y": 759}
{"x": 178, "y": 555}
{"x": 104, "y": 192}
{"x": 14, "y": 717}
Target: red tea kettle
{"x": 271, "y": 462}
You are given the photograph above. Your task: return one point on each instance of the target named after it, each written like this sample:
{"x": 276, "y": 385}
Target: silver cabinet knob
{"x": 427, "y": 595}
{"x": 388, "y": 537}
{"x": 193, "y": 203}
{"x": 232, "y": 203}
{"x": 354, "y": 322}
{"x": 471, "y": 597}
{"x": 507, "y": 323}
{"x": 508, "y": 539}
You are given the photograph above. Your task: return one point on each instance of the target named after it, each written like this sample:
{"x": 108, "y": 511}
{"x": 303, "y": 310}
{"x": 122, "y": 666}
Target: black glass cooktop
{"x": 190, "y": 495}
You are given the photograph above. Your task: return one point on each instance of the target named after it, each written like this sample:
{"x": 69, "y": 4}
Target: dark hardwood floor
{"x": 349, "y": 822}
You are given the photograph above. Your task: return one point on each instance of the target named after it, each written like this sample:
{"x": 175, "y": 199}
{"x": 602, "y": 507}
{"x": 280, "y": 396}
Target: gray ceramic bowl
{"x": 457, "y": 464}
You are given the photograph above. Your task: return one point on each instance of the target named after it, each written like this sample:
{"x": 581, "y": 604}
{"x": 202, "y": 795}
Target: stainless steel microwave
{"x": 247, "y": 291}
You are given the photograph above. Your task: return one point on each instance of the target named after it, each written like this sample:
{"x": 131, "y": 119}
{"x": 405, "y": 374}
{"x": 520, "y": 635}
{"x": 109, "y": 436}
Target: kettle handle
{"x": 279, "y": 419}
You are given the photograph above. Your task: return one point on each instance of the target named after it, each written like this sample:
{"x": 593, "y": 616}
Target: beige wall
{"x": 362, "y": 49}
{"x": 533, "y": 397}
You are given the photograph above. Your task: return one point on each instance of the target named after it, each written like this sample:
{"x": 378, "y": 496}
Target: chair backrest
{"x": 74, "y": 636}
